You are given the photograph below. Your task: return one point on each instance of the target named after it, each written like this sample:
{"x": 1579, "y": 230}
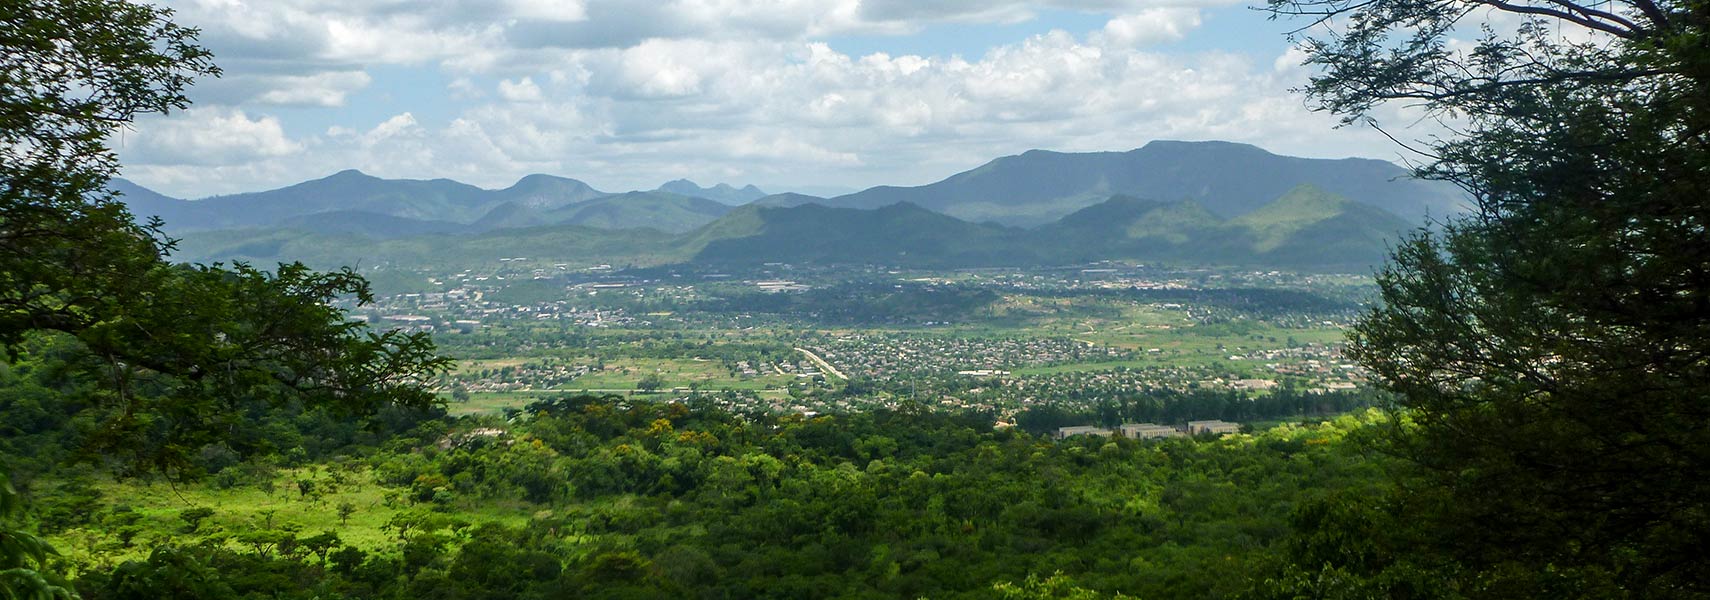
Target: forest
{"x": 612, "y": 499}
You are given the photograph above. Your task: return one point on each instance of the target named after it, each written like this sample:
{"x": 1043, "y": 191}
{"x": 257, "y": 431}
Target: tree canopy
{"x": 175, "y": 352}
{"x": 1550, "y": 346}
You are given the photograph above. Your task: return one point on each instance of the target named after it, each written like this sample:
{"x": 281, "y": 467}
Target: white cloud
{"x": 741, "y": 89}
{"x": 1151, "y": 26}
{"x": 523, "y": 90}
{"x": 206, "y": 136}
{"x": 548, "y": 10}
{"x": 1292, "y": 59}
{"x": 327, "y": 89}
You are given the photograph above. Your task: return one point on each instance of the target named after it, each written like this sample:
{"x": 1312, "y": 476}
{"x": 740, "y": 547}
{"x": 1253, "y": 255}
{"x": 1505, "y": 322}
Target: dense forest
{"x": 635, "y": 499}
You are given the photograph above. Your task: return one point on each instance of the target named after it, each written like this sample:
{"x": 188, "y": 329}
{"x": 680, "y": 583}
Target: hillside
{"x": 902, "y": 234}
{"x": 350, "y": 190}
{"x": 351, "y": 202}
{"x": 563, "y": 243}
{"x": 1038, "y": 186}
{"x": 1312, "y": 225}
{"x": 722, "y": 193}
{"x": 789, "y": 199}
{"x": 664, "y": 211}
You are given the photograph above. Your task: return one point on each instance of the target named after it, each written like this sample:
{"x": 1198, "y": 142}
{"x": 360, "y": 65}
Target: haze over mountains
{"x": 1195, "y": 202}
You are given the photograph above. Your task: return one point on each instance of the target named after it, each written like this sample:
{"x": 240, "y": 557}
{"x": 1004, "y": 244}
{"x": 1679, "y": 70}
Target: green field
{"x": 245, "y": 508}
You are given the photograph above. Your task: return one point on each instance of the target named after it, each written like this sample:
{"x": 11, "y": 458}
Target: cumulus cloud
{"x": 522, "y": 90}
{"x": 742, "y": 89}
{"x": 1151, "y": 26}
{"x": 327, "y": 89}
{"x": 207, "y": 136}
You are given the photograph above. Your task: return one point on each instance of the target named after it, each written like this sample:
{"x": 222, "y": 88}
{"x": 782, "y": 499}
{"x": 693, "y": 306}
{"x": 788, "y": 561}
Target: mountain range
{"x": 1306, "y": 228}
{"x": 1187, "y": 202}
{"x": 1228, "y": 179}
{"x": 354, "y": 202}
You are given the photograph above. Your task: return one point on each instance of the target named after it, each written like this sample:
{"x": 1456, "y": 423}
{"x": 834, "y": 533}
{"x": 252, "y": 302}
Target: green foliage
{"x": 67, "y": 248}
{"x": 1549, "y": 349}
{"x": 22, "y": 555}
{"x": 646, "y": 500}
{"x": 164, "y": 358}
{"x": 1055, "y": 586}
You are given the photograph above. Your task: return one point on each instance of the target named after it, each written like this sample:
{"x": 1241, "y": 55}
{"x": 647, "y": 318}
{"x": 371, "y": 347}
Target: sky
{"x": 814, "y": 96}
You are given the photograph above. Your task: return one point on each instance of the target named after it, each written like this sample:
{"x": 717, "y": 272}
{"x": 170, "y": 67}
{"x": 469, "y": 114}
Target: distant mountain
{"x": 1306, "y": 228}
{"x": 1031, "y": 189}
{"x": 145, "y": 203}
{"x": 350, "y": 190}
{"x": 357, "y": 203}
{"x": 1188, "y": 202}
{"x": 664, "y": 211}
{"x": 722, "y": 193}
{"x": 370, "y": 224}
{"x": 568, "y": 243}
{"x": 508, "y": 216}
{"x": 547, "y": 192}
{"x": 789, "y": 199}
{"x": 899, "y": 234}
{"x": 1228, "y": 179}
{"x": 1127, "y": 227}
{"x": 1312, "y": 226}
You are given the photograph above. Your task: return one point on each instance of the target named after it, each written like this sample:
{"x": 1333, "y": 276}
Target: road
{"x": 823, "y": 366}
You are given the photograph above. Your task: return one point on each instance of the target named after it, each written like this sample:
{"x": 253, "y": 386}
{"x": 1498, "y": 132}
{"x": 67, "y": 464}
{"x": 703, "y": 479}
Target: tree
{"x": 74, "y": 71}
{"x": 650, "y": 383}
{"x": 22, "y": 555}
{"x": 1550, "y": 347}
{"x": 184, "y": 354}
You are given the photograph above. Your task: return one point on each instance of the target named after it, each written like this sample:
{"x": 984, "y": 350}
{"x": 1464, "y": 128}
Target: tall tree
{"x": 1552, "y": 347}
{"x": 180, "y": 352}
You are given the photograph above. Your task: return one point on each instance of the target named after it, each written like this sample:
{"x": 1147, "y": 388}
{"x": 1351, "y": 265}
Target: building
{"x": 1212, "y": 427}
{"x": 1068, "y": 432}
{"x": 1147, "y": 431}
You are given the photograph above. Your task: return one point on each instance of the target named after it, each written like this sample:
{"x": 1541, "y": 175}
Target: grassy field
{"x": 492, "y": 402}
{"x": 245, "y": 508}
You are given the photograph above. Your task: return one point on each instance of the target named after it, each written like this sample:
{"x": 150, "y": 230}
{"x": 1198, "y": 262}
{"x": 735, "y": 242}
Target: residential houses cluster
{"x": 1148, "y": 431}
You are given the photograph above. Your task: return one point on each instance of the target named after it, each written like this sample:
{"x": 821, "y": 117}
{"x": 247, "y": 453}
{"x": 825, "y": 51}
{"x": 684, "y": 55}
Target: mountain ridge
{"x": 1039, "y": 186}
{"x": 1306, "y": 229}
{"x": 1033, "y": 188}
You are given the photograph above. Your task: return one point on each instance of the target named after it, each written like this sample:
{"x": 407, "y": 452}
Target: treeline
{"x": 1176, "y": 407}
{"x": 51, "y": 401}
{"x": 1224, "y": 303}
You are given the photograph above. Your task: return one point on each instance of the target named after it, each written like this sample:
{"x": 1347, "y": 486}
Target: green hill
{"x": 721, "y": 193}
{"x": 1228, "y": 179}
{"x": 664, "y": 211}
{"x": 556, "y": 244}
{"x": 1311, "y": 226}
{"x": 902, "y": 234}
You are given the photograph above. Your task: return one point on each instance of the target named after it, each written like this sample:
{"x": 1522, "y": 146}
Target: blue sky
{"x": 791, "y": 95}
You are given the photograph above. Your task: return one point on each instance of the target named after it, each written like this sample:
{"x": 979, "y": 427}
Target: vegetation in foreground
{"x": 596, "y": 497}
